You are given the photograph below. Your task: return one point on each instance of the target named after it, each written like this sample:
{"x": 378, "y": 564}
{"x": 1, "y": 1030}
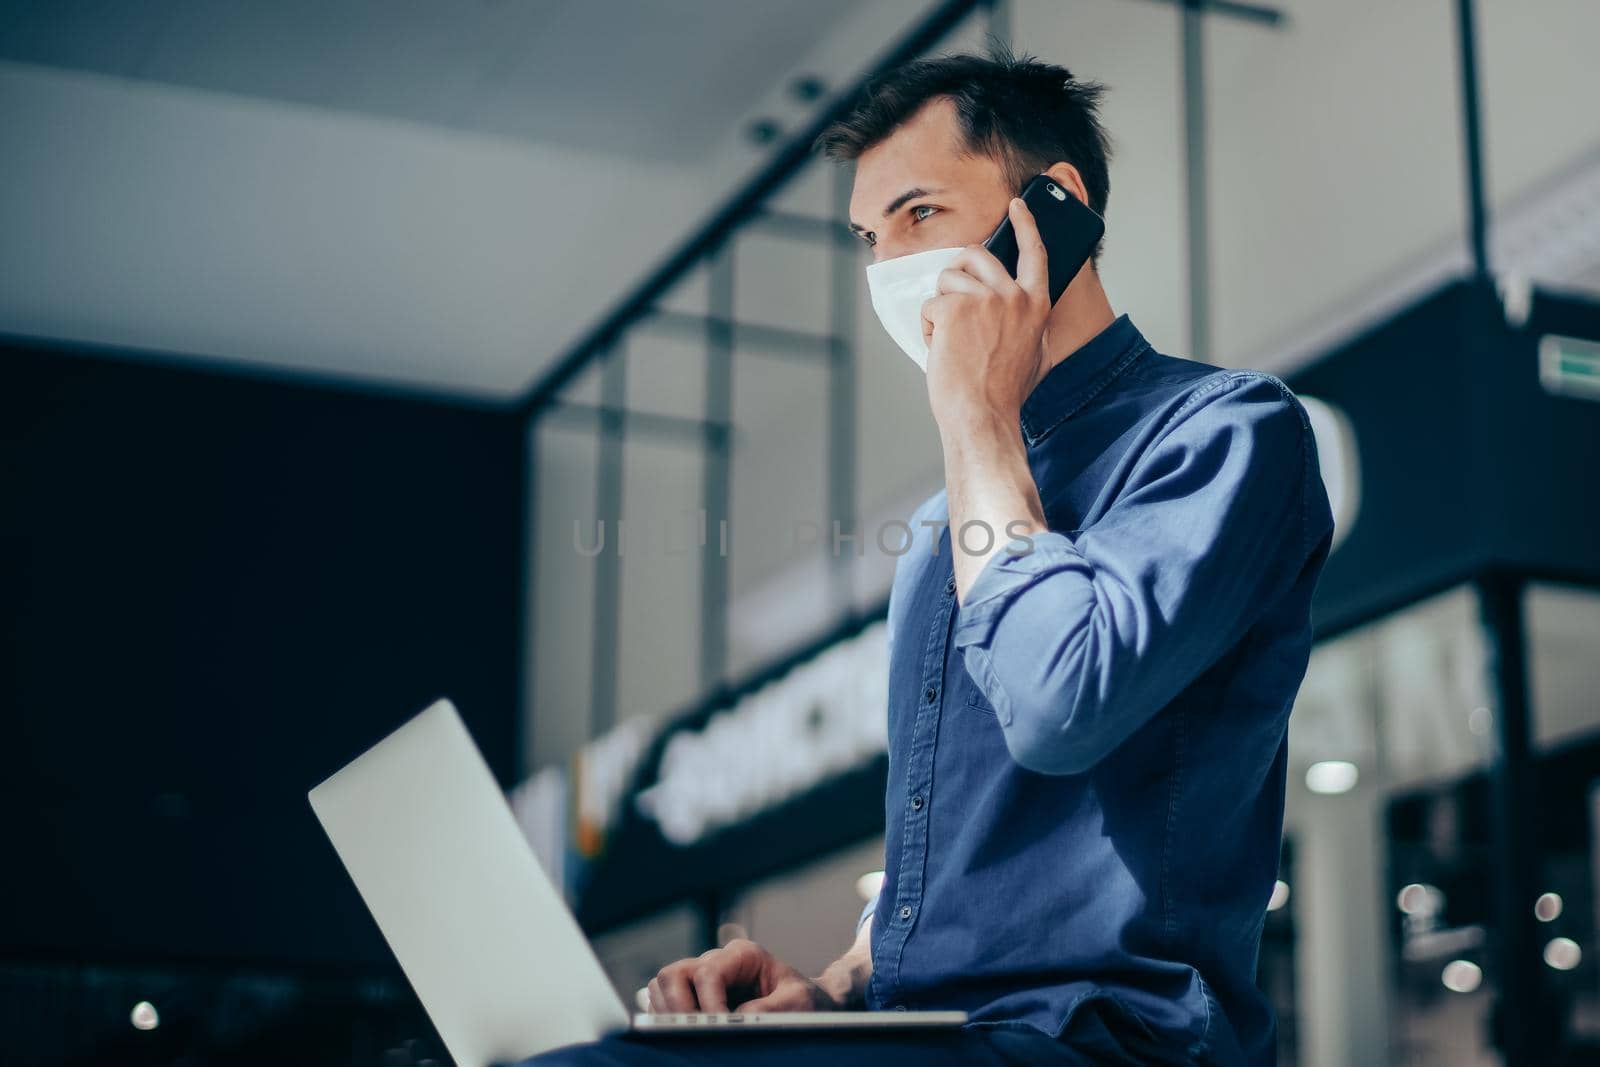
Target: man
{"x": 1094, "y": 642}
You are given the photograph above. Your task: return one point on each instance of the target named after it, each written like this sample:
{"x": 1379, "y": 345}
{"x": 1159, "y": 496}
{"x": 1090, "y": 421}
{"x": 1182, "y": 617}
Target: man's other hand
{"x": 740, "y": 973}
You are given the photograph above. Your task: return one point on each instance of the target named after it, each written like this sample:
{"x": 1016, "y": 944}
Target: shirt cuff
{"x": 1005, "y": 576}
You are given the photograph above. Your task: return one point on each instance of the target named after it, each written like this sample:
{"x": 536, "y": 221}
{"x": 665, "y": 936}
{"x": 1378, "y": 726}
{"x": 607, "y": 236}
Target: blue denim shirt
{"x": 1087, "y": 756}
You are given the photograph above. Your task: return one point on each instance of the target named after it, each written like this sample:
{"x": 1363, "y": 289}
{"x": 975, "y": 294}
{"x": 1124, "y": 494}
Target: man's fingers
{"x": 791, "y": 994}
{"x": 953, "y": 280}
{"x": 702, "y": 983}
{"x": 980, "y": 263}
{"x": 709, "y": 988}
{"x": 784, "y": 998}
{"x": 1033, "y": 267}
{"x": 670, "y": 990}
{"x": 933, "y": 311}
{"x": 740, "y": 962}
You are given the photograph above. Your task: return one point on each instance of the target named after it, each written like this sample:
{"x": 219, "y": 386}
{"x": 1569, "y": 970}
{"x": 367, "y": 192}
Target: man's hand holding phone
{"x": 985, "y": 329}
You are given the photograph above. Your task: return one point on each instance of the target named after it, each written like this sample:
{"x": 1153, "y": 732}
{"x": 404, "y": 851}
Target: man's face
{"x": 920, "y": 189}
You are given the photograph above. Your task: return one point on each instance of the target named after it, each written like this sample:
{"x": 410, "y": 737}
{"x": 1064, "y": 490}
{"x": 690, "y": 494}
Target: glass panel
{"x": 780, "y": 536}
{"x": 1564, "y": 662}
{"x": 1398, "y": 698}
{"x": 782, "y": 282}
{"x": 659, "y": 627}
{"x": 1392, "y": 909}
{"x": 1387, "y": 739}
{"x": 562, "y": 594}
{"x": 667, "y": 376}
{"x": 1563, "y": 634}
{"x": 1300, "y": 237}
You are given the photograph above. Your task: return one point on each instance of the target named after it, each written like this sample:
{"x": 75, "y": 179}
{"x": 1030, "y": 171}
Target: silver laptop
{"x": 488, "y": 944}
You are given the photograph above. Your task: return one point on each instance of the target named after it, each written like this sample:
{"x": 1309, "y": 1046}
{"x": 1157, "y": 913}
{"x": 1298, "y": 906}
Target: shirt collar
{"x": 1076, "y": 380}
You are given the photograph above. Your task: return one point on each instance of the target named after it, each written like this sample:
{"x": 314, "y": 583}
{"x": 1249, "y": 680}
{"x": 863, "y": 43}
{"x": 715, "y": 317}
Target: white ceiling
{"x": 445, "y": 194}
{"x": 661, "y": 80}
{"x": 377, "y": 191}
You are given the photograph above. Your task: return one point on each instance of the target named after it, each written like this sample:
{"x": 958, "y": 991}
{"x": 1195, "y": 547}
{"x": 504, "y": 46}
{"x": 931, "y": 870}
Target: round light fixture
{"x": 1563, "y": 953}
{"x": 1332, "y": 777}
{"x": 1462, "y": 976}
{"x": 1419, "y": 898}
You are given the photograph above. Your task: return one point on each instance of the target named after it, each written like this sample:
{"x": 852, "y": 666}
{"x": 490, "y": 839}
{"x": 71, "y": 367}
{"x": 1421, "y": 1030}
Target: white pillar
{"x": 1341, "y": 963}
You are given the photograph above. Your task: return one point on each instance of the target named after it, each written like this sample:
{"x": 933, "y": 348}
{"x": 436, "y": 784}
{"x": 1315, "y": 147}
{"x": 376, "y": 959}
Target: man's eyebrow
{"x": 897, "y": 203}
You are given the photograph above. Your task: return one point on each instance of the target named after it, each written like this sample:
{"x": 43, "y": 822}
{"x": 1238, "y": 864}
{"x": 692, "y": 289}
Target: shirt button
{"x": 930, "y": 694}
{"x": 950, "y": 586}
{"x": 905, "y": 911}
{"x": 916, "y": 802}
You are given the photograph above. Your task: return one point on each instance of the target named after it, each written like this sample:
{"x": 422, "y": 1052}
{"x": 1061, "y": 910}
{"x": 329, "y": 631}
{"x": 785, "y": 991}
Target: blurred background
{"x": 342, "y": 342}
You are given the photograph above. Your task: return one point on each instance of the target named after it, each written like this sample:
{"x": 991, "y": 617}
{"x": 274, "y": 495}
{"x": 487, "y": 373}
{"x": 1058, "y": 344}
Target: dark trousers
{"x": 966, "y": 1047}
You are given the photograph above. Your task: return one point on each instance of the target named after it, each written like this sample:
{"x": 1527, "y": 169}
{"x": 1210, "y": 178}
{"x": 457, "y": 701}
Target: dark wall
{"x": 213, "y": 591}
{"x": 1544, "y": 462}
{"x": 1465, "y": 460}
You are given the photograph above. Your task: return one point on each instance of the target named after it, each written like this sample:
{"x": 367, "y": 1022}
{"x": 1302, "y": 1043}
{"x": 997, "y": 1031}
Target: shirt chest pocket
{"x": 969, "y": 696}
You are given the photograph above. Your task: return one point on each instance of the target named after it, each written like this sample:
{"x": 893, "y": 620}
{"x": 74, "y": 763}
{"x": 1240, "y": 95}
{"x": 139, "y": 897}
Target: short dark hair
{"x": 1021, "y": 112}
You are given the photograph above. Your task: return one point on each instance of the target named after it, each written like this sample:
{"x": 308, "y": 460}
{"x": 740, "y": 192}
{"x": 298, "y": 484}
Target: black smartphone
{"x": 1070, "y": 229}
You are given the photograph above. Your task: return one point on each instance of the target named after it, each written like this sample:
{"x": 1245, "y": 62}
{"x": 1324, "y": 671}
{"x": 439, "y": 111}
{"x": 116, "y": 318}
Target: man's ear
{"x": 1070, "y": 179}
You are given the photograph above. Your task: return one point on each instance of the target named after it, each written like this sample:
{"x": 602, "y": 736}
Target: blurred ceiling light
{"x": 1332, "y": 777}
{"x": 867, "y": 885}
{"x": 1562, "y": 953}
{"x": 144, "y": 1015}
{"x": 1462, "y": 976}
{"x": 1280, "y": 895}
{"x": 1419, "y": 898}
{"x": 1548, "y": 907}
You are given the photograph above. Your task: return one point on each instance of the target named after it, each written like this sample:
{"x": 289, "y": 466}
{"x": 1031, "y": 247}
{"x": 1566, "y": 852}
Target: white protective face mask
{"x": 899, "y": 288}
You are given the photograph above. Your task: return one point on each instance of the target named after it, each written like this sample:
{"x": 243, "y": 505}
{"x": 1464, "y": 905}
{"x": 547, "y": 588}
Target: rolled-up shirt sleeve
{"x": 1081, "y": 640}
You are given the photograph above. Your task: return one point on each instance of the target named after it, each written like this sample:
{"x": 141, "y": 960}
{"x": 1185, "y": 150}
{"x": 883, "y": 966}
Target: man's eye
{"x": 916, "y": 212}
